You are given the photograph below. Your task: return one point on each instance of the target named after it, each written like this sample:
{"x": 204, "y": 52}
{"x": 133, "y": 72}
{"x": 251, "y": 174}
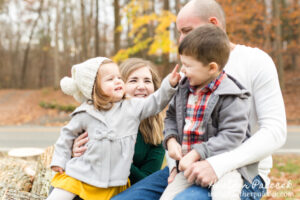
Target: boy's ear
{"x": 213, "y": 67}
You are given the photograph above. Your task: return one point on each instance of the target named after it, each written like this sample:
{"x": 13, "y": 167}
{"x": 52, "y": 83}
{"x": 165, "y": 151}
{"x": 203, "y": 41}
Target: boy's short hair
{"x": 207, "y": 43}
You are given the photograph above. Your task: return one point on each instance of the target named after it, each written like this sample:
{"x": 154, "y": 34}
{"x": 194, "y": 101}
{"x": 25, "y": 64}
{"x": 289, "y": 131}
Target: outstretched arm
{"x": 157, "y": 101}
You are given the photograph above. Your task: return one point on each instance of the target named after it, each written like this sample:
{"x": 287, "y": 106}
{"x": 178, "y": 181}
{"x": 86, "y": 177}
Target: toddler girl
{"x": 112, "y": 123}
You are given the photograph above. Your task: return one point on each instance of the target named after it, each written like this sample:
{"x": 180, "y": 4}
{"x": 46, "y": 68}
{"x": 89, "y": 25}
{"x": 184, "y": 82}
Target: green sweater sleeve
{"x": 147, "y": 159}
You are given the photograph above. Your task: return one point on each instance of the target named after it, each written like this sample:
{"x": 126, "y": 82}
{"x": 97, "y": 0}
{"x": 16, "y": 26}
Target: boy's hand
{"x": 172, "y": 175}
{"x": 174, "y": 149}
{"x": 57, "y": 169}
{"x": 174, "y": 77}
{"x": 188, "y": 159}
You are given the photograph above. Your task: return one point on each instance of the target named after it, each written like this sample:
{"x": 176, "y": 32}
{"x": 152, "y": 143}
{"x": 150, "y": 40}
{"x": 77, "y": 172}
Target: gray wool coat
{"x": 225, "y": 122}
{"x": 112, "y": 136}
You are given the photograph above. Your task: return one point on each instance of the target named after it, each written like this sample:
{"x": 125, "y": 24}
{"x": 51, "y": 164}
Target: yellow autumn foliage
{"x": 139, "y": 22}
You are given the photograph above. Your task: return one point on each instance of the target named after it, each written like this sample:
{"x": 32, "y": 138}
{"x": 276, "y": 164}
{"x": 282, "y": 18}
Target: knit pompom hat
{"x": 81, "y": 84}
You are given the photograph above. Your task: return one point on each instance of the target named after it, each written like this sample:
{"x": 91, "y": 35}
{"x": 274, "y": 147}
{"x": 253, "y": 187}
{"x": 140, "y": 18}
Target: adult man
{"x": 256, "y": 71}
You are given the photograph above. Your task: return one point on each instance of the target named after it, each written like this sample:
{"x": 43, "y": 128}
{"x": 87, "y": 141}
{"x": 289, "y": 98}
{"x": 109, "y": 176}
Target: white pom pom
{"x": 68, "y": 86}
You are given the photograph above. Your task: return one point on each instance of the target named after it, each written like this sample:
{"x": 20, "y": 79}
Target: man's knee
{"x": 194, "y": 193}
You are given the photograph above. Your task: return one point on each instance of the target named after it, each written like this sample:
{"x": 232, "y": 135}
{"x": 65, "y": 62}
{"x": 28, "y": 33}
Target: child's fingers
{"x": 178, "y": 77}
{"x": 61, "y": 170}
{"x": 56, "y": 169}
{"x": 172, "y": 175}
{"x": 175, "y": 70}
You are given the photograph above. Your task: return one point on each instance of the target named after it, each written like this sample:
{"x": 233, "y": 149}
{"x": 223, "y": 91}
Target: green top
{"x": 147, "y": 159}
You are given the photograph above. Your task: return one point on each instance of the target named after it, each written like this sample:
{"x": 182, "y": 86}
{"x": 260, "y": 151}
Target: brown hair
{"x": 152, "y": 127}
{"x": 207, "y": 43}
{"x": 100, "y": 100}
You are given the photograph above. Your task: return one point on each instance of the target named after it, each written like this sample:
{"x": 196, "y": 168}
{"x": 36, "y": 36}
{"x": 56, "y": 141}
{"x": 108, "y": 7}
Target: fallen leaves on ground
{"x": 285, "y": 178}
{"x": 19, "y": 107}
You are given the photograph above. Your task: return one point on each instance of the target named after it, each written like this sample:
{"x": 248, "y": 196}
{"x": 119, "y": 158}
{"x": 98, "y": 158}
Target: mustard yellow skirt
{"x": 84, "y": 190}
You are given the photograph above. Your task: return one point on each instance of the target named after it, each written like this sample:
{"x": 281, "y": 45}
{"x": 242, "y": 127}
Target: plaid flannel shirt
{"x": 196, "y": 105}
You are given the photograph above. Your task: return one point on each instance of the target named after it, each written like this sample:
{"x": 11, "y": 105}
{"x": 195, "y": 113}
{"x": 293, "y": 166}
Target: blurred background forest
{"x": 41, "y": 39}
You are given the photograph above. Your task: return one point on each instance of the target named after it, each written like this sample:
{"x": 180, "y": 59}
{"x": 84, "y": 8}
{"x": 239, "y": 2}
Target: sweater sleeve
{"x": 233, "y": 120}
{"x": 151, "y": 164}
{"x": 269, "y": 107}
{"x": 154, "y": 103}
{"x": 63, "y": 146}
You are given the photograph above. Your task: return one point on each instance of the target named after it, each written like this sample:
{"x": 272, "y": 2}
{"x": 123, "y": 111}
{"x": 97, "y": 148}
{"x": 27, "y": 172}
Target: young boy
{"x": 209, "y": 113}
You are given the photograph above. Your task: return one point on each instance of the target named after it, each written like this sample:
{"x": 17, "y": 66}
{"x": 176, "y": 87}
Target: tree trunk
{"x": 177, "y": 6}
{"x": 97, "y": 29}
{"x": 27, "y": 50}
{"x": 75, "y": 35}
{"x": 278, "y": 42}
{"x": 295, "y": 55}
{"x": 42, "y": 78}
{"x": 83, "y": 32}
{"x": 117, "y": 34}
{"x": 65, "y": 28}
{"x": 89, "y": 29}
{"x": 15, "y": 61}
{"x": 165, "y": 56}
{"x": 103, "y": 29}
{"x": 56, "y": 48}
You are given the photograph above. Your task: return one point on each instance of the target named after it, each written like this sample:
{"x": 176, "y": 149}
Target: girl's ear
{"x": 213, "y": 68}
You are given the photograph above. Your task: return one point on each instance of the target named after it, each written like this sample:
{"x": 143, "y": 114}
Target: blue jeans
{"x": 194, "y": 192}
{"x": 152, "y": 187}
{"x": 253, "y": 191}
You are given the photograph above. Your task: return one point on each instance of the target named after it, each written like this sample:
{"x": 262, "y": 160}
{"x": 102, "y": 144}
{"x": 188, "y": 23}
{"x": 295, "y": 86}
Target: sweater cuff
{"x": 60, "y": 162}
{"x": 220, "y": 164}
{"x": 167, "y": 137}
{"x": 168, "y": 85}
{"x": 202, "y": 149}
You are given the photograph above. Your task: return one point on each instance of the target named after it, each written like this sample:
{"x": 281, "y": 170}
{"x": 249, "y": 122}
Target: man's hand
{"x": 201, "y": 173}
{"x": 174, "y": 149}
{"x": 78, "y": 146}
{"x": 172, "y": 175}
{"x": 57, "y": 169}
{"x": 188, "y": 160}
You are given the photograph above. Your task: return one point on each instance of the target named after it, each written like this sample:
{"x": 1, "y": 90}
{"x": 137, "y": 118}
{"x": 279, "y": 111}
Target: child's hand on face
{"x": 174, "y": 77}
{"x": 188, "y": 159}
{"x": 174, "y": 149}
{"x": 57, "y": 169}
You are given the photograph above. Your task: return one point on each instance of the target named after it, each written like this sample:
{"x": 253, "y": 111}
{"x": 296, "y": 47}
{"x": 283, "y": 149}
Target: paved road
{"x": 27, "y": 136}
{"x": 292, "y": 144}
{"x": 42, "y": 137}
